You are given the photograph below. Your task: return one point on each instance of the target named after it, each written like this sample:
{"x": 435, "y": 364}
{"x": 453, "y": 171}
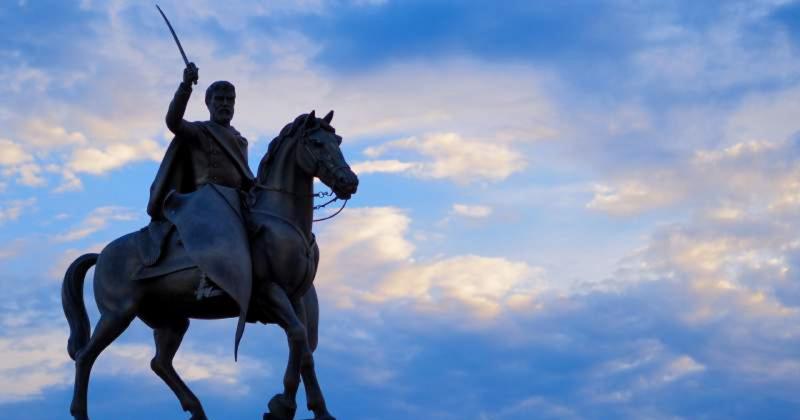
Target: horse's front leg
{"x": 289, "y": 317}
{"x": 316, "y": 402}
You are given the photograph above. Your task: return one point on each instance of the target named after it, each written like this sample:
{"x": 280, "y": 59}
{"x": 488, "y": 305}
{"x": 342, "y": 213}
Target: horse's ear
{"x": 311, "y": 119}
{"x": 328, "y": 118}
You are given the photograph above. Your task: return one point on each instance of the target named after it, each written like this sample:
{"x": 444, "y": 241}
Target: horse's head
{"x": 310, "y": 144}
{"x": 319, "y": 155}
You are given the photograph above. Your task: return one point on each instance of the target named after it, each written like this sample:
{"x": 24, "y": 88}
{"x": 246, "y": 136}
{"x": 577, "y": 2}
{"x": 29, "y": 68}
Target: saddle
{"x": 160, "y": 250}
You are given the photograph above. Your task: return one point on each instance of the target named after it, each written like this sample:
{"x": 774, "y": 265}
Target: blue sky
{"x": 567, "y": 210}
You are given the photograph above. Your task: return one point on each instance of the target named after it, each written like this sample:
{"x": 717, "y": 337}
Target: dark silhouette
{"x": 187, "y": 262}
{"x": 205, "y": 153}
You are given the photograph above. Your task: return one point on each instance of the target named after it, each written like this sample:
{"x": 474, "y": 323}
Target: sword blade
{"x": 177, "y": 41}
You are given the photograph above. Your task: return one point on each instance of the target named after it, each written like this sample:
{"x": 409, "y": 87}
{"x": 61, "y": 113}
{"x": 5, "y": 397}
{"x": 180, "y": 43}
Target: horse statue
{"x": 284, "y": 258}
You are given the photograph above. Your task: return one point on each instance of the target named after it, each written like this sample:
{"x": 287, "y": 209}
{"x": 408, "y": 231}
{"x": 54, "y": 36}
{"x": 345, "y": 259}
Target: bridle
{"x": 315, "y": 195}
{"x": 330, "y": 167}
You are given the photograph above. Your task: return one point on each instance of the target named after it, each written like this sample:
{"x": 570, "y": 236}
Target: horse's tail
{"x": 72, "y": 302}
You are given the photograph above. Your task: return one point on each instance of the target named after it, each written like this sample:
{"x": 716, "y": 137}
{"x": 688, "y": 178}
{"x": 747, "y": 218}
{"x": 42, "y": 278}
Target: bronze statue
{"x": 220, "y": 244}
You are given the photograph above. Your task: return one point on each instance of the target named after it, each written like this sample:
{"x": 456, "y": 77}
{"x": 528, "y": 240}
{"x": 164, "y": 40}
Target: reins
{"x": 315, "y": 195}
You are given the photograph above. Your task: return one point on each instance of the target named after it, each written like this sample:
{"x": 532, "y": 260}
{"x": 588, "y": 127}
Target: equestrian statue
{"x": 221, "y": 243}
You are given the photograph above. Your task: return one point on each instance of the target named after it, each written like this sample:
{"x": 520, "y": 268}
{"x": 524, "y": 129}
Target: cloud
{"x": 103, "y": 128}
{"x": 12, "y": 154}
{"x": 97, "y": 220}
{"x": 485, "y": 286}
{"x": 369, "y": 261}
{"x": 12, "y": 248}
{"x": 649, "y": 366}
{"x": 383, "y": 166}
{"x": 97, "y": 161}
{"x": 472, "y": 211}
{"x": 43, "y": 135}
{"x": 631, "y": 198}
{"x": 14, "y": 160}
{"x": 746, "y": 172}
{"x": 217, "y": 370}
{"x": 680, "y": 60}
{"x": 454, "y": 158}
{"x": 11, "y": 210}
{"x": 32, "y": 363}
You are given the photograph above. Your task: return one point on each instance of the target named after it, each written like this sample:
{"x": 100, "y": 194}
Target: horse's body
{"x": 284, "y": 257}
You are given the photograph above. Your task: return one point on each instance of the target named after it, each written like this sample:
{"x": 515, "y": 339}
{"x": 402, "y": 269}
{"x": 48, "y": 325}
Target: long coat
{"x": 209, "y": 218}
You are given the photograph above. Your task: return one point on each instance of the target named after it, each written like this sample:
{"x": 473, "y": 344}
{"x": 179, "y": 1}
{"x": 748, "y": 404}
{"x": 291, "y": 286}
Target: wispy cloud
{"x": 11, "y": 210}
{"x": 376, "y": 266}
{"x": 475, "y": 211}
{"x": 97, "y": 220}
{"x": 449, "y": 156}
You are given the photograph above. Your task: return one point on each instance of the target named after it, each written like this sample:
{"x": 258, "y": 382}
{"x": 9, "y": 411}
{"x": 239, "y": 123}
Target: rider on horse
{"x": 200, "y": 189}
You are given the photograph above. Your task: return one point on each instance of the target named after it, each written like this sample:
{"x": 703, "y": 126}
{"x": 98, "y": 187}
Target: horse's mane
{"x": 292, "y": 130}
{"x": 289, "y": 131}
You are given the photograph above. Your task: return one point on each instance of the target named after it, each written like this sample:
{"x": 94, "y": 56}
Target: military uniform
{"x": 199, "y": 189}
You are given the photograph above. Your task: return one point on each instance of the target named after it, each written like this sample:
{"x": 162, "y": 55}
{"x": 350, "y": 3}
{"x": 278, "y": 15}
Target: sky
{"x": 566, "y": 210}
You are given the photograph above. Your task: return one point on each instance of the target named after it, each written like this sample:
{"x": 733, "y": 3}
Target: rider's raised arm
{"x": 177, "y": 107}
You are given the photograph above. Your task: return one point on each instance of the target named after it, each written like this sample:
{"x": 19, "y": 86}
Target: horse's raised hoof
{"x": 200, "y": 416}
{"x": 280, "y": 408}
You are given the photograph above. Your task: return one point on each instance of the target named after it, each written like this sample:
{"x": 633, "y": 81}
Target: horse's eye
{"x": 315, "y": 141}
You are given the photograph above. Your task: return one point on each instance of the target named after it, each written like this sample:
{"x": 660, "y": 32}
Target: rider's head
{"x": 220, "y": 99}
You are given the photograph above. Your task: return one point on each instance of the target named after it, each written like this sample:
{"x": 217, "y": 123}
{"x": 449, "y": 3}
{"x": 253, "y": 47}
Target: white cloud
{"x": 631, "y": 198}
{"x": 23, "y": 79}
{"x": 30, "y": 175}
{"x": 14, "y": 160}
{"x": 12, "y": 154}
{"x": 485, "y": 286}
{"x": 97, "y": 161}
{"x": 741, "y": 174}
{"x": 31, "y": 363}
{"x": 682, "y": 61}
{"x": 97, "y": 220}
{"x": 13, "y": 209}
{"x": 383, "y": 166}
{"x": 12, "y": 248}
{"x": 367, "y": 258}
{"x": 649, "y": 365}
{"x": 45, "y": 136}
{"x": 102, "y": 130}
{"x": 193, "y": 366}
{"x": 70, "y": 181}
{"x": 473, "y": 211}
{"x": 452, "y": 157}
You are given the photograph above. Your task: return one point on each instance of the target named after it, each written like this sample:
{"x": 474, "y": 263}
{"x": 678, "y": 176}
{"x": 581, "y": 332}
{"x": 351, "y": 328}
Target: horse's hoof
{"x": 80, "y": 416}
{"x": 280, "y": 408}
{"x": 200, "y": 416}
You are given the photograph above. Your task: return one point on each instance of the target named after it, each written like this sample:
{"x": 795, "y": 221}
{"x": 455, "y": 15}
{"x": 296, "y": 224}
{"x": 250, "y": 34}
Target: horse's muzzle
{"x": 346, "y": 183}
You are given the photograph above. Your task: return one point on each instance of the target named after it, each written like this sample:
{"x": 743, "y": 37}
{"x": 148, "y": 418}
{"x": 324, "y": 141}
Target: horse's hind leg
{"x": 108, "y": 328}
{"x": 168, "y": 339}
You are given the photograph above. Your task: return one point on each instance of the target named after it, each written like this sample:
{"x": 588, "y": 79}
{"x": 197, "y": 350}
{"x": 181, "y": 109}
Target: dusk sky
{"x": 566, "y": 210}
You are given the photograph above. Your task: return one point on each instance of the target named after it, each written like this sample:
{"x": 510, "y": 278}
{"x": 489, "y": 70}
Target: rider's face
{"x": 220, "y": 106}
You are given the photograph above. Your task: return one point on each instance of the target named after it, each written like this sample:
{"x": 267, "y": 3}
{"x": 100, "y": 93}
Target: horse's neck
{"x": 295, "y": 203}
